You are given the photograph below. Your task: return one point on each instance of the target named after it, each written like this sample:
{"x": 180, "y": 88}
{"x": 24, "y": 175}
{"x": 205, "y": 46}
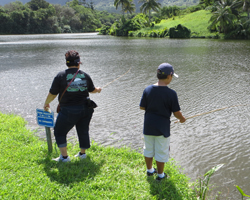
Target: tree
{"x": 92, "y": 5}
{"x": 246, "y": 7}
{"x": 37, "y": 4}
{"x": 42, "y": 20}
{"x": 124, "y": 4}
{"x": 169, "y": 11}
{"x": 148, "y": 5}
{"x": 82, "y": 2}
{"x": 75, "y": 23}
{"x": 129, "y": 8}
{"x": 222, "y": 16}
{"x": 166, "y": 12}
{"x": 66, "y": 14}
{"x": 74, "y": 3}
{"x": 207, "y": 2}
{"x": 5, "y": 22}
{"x": 20, "y": 22}
{"x": 14, "y": 6}
{"x": 87, "y": 17}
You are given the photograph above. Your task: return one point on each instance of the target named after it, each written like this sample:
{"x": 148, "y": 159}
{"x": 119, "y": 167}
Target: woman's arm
{"x": 49, "y": 99}
{"x": 97, "y": 89}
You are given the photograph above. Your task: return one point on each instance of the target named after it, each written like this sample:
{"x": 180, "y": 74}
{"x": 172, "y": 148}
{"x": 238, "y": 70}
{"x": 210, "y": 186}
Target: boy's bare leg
{"x": 160, "y": 167}
{"x": 149, "y": 162}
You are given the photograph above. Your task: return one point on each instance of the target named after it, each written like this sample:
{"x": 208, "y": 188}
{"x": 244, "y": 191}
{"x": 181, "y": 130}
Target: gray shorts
{"x": 157, "y": 147}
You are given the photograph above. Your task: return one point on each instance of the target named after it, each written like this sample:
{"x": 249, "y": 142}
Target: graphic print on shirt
{"x": 78, "y": 84}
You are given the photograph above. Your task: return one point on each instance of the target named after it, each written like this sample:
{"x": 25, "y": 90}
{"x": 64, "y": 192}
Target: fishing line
{"x": 116, "y": 79}
{"x": 205, "y": 113}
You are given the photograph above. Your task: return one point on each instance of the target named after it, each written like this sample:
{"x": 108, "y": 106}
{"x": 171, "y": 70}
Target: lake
{"x": 213, "y": 74}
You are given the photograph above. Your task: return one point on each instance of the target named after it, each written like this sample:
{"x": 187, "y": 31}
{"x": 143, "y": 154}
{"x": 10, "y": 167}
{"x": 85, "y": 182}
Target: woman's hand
{"x": 97, "y": 89}
{"x": 46, "y": 107}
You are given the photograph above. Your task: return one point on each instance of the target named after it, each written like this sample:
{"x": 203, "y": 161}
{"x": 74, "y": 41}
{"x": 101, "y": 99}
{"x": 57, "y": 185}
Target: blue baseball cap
{"x": 166, "y": 69}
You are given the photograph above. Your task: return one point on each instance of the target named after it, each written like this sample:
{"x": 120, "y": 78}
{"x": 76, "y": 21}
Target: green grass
{"x": 197, "y": 22}
{"x": 27, "y": 171}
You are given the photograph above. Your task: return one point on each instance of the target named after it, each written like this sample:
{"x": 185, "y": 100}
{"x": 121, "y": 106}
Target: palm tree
{"x": 246, "y": 7}
{"x": 129, "y": 8}
{"x": 148, "y": 5}
{"x": 123, "y": 3}
{"x": 223, "y": 15}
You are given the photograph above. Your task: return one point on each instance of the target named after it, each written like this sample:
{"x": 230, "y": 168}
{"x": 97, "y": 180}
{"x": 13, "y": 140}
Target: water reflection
{"x": 212, "y": 74}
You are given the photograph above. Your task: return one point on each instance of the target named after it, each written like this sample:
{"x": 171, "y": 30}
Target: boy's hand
{"x": 179, "y": 116}
{"x": 182, "y": 120}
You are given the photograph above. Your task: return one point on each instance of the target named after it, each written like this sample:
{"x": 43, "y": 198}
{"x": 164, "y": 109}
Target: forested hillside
{"x": 39, "y": 17}
{"x": 3, "y": 2}
{"x": 108, "y": 5}
{"x": 228, "y": 18}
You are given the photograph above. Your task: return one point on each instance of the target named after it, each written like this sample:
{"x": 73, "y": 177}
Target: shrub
{"x": 123, "y": 26}
{"x": 104, "y": 30}
{"x": 196, "y": 8}
{"x": 153, "y": 33}
{"x": 157, "y": 20}
{"x": 139, "y": 34}
{"x": 163, "y": 32}
{"x": 131, "y": 33}
{"x": 66, "y": 29}
{"x": 179, "y": 32}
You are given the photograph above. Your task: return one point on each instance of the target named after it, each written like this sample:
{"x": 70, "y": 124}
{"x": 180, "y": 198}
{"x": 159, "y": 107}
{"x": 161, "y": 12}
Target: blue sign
{"x": 45, "y": 118}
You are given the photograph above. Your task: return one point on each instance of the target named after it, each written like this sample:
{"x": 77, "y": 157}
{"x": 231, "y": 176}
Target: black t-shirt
{"x": 78, "y": 90}
{"x": 159, "y": 103}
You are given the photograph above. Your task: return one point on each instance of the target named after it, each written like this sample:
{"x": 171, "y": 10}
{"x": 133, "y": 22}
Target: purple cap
{"x": 166, "y": 69}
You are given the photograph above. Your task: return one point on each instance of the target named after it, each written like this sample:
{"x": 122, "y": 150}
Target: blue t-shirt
{"x": 159, "y": 103}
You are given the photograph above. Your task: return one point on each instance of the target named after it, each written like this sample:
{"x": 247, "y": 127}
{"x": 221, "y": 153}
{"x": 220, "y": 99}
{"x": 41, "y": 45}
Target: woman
{"x": 74, "y": 109}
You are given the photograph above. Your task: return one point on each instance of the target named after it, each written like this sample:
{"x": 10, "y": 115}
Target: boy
{"x": 159, "y": 102}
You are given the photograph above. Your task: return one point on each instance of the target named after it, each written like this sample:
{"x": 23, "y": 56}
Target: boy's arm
{"x": 142, "y": 108}
{"x": 179, "y": 116}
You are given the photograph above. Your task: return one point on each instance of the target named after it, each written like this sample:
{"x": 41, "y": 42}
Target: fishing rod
{"x": 116, "y": 78}
{"x": 205, "y": 113}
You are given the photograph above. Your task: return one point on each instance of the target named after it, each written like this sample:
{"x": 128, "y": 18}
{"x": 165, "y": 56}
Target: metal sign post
{"x": 49, "y": 141}
{"x": 46, "y": 119}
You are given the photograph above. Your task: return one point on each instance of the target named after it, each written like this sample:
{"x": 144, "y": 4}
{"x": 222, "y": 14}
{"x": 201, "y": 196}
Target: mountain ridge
{"x": 108, "y": 5}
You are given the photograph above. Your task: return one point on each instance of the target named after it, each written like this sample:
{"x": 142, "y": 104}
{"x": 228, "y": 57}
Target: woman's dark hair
{"x": 72, "y": 58}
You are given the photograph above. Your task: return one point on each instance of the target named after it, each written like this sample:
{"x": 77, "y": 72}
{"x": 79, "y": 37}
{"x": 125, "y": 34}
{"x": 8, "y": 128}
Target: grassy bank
{"x": 27, "y": 171}
{"x": 197, "y": 22}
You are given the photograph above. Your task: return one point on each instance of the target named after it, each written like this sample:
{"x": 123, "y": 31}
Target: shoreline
{"x": 107, "y": 172}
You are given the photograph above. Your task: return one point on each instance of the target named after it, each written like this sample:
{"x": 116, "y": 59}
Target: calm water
{"x": 213, "y": 74}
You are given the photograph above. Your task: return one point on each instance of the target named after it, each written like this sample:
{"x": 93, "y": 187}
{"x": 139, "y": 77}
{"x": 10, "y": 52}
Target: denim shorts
{"x": 67, "y": 118}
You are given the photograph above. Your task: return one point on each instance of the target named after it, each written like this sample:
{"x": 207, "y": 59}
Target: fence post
{"x": 49, "y": 141}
